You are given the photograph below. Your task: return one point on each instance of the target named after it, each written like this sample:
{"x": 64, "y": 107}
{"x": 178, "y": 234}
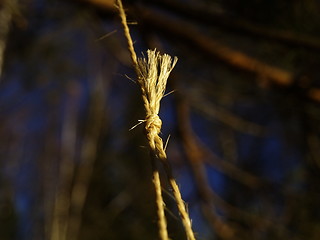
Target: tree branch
{"x": 208, "y": 16}
{"x": 6, "y": 14}
{"x": 189, "y": 32}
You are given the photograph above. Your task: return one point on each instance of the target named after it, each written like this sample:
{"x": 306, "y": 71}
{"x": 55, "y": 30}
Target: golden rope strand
{"x": 152, "y": 84}
{"x": 175, "y": 190}
{"x": 162, "y": 223}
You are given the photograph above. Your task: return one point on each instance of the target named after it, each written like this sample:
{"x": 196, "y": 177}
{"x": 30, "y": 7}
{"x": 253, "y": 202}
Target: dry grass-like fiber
{"x": 153, "y": 86}
{"x": 152, "y": 73}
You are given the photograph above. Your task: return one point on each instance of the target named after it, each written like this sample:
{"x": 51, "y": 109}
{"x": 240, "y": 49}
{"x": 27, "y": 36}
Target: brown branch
{"x": 314, "y": 94}
{"x": 61, "y": 205}
{"x": 231, "y": 170}
{"x": 226, "y": 117}
{"x": 224, "y": 166}
{"x": 88, "y": 156}
{"x": 313, "y": 145}
{"x": 189, "y": 32}
{"x": 209, "y": 16}
{"x": 194, "y": 156}
{"x": 8, "y": 7}
{"x": 227, "y": 138}
{"x": 237, "y": 59}
{"x": 106, "y": 4}
{"x": 234, "y": 58}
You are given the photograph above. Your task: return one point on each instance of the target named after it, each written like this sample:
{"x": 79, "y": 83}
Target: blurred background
{"x": 243, "y": 119}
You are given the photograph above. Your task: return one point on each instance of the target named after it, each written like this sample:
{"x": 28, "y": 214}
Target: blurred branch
{"x": 225, "y": 167}
{"x": 194, "y": 156}
{"x": 314, "y": 151}
{"x": 49, "y": 165}
{"x": 61, "y": 206}
{"x": 106, "y": 4}
{"x": 87, "y": 157}
{"x": 218, "y": 17}
{"x": 231, "y": 170}
{"x": 189, "y": 32}
{"x": 8, "y": 7}
{"x": 314, "y": 94}
{"x": 240, "y": 125}
{"x": 228, "y": 144}
{"x": 226, "y": 117}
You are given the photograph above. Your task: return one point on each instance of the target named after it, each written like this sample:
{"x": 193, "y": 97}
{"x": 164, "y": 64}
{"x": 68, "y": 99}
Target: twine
{"x": 153, "y": 124}
{"x": 152, "y": 73}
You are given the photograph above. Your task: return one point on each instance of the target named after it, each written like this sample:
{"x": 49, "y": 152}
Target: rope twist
{"x": 153, "y": 124}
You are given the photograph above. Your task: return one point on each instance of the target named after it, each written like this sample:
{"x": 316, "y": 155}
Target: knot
{"x": 153, "y": 124}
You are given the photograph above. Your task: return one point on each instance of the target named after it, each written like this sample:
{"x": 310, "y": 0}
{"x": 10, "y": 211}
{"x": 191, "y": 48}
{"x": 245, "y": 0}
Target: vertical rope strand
{"x": 127, "y": 33}
{"x": 152, "y": 72}
{"x": 132, "y": 52}
{"x": 176, "y": 193}
{"x": 162, "y": 223}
